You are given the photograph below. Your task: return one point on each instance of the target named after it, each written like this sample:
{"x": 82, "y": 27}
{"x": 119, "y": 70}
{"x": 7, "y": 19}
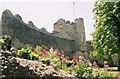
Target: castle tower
{"x": 80, "y": 33}
{"x": 73, "y": 31}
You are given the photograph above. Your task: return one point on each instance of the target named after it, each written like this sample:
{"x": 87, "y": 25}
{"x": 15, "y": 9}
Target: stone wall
{"x": 25, "y": 34}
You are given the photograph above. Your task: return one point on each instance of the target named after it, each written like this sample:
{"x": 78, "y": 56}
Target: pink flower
{"x": 94, "y": 63}
{"x": 106, "y": 67}
{"x": 59, "y": 55}
{"x": 44, "y": 51}
{"x": 75, "y": 58}
{"x": 56, "y": 50}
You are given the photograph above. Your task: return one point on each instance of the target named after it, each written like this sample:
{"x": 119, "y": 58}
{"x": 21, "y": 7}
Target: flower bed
{"x": 78, "y": 66}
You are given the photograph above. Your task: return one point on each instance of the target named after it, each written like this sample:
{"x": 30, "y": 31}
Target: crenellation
{"x": 80, "y": 18}
{"x": 67, "y": 22}
{"x": 61, "y": 20}
{"x": 17, "y": 16}
{"x": 30, "y": 23}
{"x": 72, "y": 23}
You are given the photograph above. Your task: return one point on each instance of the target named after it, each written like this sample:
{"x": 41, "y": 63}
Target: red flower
{"x": 58, "y": 55}
{"x": 75, "y": 58}
{"x": 44, "y": 52}
{"x": 56, "y": 50}
{"x": 35, "y": 50}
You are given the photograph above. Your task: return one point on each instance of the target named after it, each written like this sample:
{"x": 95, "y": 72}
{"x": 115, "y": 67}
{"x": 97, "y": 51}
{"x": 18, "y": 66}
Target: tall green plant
{"x": 107, "y": 20}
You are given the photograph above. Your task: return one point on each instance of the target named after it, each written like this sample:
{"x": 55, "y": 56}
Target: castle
{"x": 67, "y": 36}
{"x": 71, "y": 30}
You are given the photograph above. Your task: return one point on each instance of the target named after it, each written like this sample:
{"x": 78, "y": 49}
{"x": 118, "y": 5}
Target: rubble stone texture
{"x": 13, "y": 66}
{"x": 17, "y": 67}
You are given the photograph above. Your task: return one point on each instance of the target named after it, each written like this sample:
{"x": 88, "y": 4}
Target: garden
{"x": 105, "y": 43}
{"x": 77, "y": 65}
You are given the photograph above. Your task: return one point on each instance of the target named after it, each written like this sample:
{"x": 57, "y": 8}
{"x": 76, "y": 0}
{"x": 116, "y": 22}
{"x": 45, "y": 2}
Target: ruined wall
{"x": 26, "y": 34}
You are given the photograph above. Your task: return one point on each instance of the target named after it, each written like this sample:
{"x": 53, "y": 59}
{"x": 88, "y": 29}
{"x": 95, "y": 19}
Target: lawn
{"x": 113, "y": 72}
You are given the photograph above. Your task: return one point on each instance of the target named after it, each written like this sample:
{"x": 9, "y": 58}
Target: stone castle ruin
{"x": 70, "y": 30}
{"x": 67, "y": 36}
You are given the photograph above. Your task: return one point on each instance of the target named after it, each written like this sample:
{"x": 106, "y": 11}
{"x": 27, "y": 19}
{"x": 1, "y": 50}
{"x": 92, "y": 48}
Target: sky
{"x": 44, "y": 13}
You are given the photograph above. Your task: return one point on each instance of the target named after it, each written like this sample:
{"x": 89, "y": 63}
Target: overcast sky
{"x": 46, "y": 13}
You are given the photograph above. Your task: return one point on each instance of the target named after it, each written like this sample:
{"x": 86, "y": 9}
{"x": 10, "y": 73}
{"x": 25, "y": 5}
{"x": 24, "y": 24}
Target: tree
{"x": 106, "y": 37}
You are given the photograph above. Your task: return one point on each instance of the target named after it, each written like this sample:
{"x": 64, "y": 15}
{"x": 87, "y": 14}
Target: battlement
{"x": 62, "y": 22}
{"x": 68, "y": 23}
{"x": 79, "y": 19}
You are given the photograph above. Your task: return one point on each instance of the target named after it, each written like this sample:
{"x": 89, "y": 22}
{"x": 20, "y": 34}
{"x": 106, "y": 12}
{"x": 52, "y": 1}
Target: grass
{"x": 113, "y": 72}
{"x": 113, "y": 68}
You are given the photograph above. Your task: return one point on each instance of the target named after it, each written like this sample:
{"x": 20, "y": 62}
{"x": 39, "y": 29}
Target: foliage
{"x": 105, "y": 35}
{"x": 94, "y": 54}
{"x": 27, "y": 54}
{"x": 23, "y": 53}
{"x": 84, "y": 70}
